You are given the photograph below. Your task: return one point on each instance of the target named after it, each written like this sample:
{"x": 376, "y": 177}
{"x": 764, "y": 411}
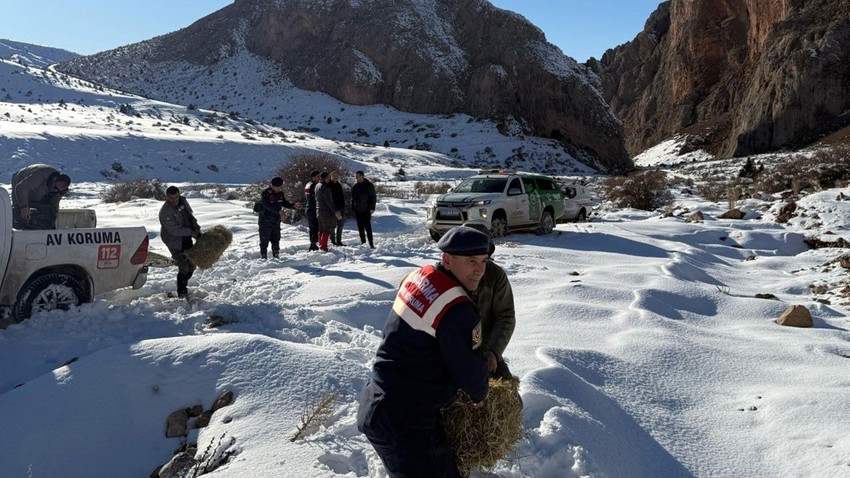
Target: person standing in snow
{"x": 274, "y": 205}
{"x": 498, "y": 317}
{"x": 326, "y": 211}
{"x": 339, "y": 204}
{"x": 37, "y": 188}
{"x": 179, "y": 227}
{"x": 429, "y": 352}
{"x": 363, "y": 202}
{"x": 312, "y": 219}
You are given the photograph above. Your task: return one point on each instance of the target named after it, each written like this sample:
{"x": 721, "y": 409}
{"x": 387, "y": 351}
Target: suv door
{"x": 516, "y": 203}
{"x": 532, "y": 213}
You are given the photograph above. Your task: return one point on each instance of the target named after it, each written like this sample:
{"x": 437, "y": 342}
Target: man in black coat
{"x": 363, "y": 201}
{"x": 312, "y": 220}
{"x": 431, "y": 349}
{"x": 273, "y": 210}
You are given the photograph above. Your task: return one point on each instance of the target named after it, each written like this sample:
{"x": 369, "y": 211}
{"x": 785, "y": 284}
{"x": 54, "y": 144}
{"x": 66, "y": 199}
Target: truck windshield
{"x": 481, "y": 185}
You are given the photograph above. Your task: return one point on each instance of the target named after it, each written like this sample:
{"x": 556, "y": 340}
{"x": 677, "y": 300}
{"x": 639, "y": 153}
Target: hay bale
{"x": 483, "y": 437}
{"x": 209, "y": 247}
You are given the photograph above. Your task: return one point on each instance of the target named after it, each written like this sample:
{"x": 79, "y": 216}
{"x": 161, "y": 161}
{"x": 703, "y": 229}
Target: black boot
{"x": 263, "y": 255}
{"x": 276, "y": 254}
{"x": 313, "y": 247}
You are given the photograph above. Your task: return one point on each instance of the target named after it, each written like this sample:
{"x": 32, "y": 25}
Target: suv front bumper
{"x": 442, "y": 219}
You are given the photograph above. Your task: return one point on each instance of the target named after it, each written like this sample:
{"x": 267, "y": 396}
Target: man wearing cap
{"x": 429, "y": 352}
{"x": 312, "y": 219}
{"x": 36, "y": 192}
{"x": 273, "y": 210}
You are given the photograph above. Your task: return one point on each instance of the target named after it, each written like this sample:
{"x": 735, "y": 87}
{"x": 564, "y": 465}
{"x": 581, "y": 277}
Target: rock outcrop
{"x": 741, "y": 76}
{"x": 421, "y": 56}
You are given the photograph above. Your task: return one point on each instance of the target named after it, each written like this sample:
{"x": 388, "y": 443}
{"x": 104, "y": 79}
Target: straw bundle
{"x": 209, "y": 247}
{"x": 484, "y": 436}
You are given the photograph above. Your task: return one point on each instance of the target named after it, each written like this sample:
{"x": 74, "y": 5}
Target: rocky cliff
{"x": 422, "y": 56}
{"x": 739, "y": 76}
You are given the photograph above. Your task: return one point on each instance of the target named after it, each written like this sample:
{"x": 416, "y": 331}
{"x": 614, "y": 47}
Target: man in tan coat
{"x": 36, "y": 191}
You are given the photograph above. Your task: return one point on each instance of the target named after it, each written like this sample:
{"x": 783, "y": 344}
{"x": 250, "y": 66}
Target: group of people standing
{"x": 325, "y": 198}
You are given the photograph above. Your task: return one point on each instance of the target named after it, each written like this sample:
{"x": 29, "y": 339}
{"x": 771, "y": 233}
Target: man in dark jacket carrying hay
{"x": 498, "y": 316}
{"x": 274, "y": 205}
{"x": 179, "y": 227}
{"x": 429, "y": 352}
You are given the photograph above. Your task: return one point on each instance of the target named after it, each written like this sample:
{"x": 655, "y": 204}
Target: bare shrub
{"x": 394, "y": 191}
{"x": 733, "y": 193}
{"x": 296, "y": 172}
{"x": 315, "y": 413}
{"x": 123, "y": 191}
{"x": 646, "y": 190}
{"x": 713, "y": 191}
{"x": 824, "y": 169}
{"x": 214, "y": 456}
{"x": 424, "y": 189}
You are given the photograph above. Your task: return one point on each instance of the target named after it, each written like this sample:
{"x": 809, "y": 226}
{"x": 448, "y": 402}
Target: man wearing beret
{"x": 429, "y": 352}
{"x": 273, "y": 211}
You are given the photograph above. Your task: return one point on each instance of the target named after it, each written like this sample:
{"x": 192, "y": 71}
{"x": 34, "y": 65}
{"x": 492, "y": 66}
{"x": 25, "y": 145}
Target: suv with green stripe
{"x": 498, "y": 202}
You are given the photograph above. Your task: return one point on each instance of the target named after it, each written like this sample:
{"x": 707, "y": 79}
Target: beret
{"x": 464, "y": 241}
{"x": 277, "y": 181}
{"x": 314, "y": 173}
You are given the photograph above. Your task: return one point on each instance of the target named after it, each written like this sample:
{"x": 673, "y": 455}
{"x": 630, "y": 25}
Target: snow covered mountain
{"x": 438, "y": 57}
{"x": 33, "y": 55}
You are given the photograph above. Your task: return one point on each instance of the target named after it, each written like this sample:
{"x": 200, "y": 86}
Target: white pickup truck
{"x": 58, "y": 268}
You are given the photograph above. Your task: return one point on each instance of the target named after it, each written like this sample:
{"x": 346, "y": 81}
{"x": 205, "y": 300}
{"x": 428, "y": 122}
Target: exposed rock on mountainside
{"x": 740, "y": 76}
{"x": 422, "y": 56}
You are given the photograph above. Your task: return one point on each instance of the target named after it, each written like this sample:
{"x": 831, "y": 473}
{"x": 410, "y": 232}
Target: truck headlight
{"x": 481, "y": 202}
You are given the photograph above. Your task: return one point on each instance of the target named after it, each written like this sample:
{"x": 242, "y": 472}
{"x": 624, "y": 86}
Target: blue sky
{"x": 581, "y": 28}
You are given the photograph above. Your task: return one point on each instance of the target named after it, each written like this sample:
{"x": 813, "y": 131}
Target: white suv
{"x": 577, "y": 202}
{"x": 498, "y": 202}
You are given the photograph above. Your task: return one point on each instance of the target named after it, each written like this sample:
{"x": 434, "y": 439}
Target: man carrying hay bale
{"x": 495, "y": 300}
{"x": 429, "y": 352}
{"x": 179, "y": 226}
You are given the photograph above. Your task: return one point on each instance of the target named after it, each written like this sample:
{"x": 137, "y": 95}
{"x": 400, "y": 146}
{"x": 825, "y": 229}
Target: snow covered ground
{"x": 641, "y": 347}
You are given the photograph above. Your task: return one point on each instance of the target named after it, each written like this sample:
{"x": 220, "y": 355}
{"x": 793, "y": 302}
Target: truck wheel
{"x": 582, "y": 216}
{"x": 498, "y": 227}
{"x": 50, "y": 291}
{"x": 435, "y": 235}
{"x": 547, "y": 223}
